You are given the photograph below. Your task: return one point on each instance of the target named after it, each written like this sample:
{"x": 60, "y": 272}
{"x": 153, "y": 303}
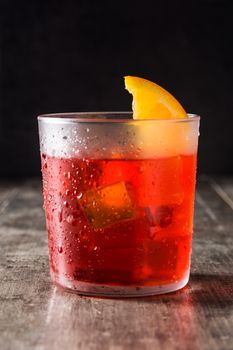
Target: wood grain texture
{"x": 36, "y": 315}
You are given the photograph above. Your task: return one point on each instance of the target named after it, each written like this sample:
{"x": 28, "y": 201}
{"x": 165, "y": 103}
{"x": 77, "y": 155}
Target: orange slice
{"x": 151, "y": 101}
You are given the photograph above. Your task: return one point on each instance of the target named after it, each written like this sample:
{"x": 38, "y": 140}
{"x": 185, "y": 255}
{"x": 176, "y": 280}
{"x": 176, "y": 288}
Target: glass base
{"x": 92, "y": 289}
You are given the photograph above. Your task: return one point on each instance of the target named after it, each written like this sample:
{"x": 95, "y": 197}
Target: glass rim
{"x": 102, "y": 117}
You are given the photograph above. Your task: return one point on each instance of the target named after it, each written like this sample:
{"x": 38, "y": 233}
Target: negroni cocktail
{"x": 119, "y": 200}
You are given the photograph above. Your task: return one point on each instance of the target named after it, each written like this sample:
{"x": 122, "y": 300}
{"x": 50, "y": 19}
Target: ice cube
{"x": 160, "y": 217}
{"x": 105, "y": 206}
{"x": 160, "y": 182}
{"x": 163, "y": 215}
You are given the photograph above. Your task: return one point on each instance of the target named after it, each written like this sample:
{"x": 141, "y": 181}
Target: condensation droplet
{"x": 70, "y": 219}
{"x": 60, "y": 216}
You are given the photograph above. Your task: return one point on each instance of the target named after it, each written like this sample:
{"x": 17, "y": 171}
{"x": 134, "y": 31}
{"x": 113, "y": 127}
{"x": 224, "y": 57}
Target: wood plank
{"x": 36, "y": 315}
{"x": 8, "y": 191}
{"x": 224, "y": 187}
{"x": 24, "y": 270}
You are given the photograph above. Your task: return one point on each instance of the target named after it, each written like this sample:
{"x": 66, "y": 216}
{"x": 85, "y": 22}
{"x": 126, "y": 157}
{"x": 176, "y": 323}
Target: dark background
{"x": 61, "y": 56}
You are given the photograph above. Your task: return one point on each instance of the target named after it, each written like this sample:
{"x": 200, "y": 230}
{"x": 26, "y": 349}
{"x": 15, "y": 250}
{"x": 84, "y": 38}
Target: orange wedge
{"x": 151, "y": 101}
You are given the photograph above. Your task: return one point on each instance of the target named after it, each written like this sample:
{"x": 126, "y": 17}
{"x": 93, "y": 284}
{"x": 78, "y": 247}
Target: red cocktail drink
{"x": 120, "y": 224}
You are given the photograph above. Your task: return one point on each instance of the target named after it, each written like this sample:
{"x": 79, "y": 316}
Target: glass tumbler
{"x": 119, "y": 201}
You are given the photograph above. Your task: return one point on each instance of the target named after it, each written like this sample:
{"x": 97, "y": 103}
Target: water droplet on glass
{"x": 70, "y": 219}
{"x": 79, "y": 196}
{"x": 60, "y": 216}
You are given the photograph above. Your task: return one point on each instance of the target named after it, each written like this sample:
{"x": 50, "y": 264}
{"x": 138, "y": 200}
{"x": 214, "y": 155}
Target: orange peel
{"x": 151, "y": 101}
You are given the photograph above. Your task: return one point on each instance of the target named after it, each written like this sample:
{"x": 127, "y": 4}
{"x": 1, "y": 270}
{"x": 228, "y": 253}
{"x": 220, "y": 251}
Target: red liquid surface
{"x": 119, "y": 222}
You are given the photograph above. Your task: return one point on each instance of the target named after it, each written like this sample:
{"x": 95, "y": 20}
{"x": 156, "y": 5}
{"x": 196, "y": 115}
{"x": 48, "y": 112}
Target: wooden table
{"x": 36, "y": 315}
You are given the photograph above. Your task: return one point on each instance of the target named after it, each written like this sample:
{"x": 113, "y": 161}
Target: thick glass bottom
{"x": 93, "y": 289}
